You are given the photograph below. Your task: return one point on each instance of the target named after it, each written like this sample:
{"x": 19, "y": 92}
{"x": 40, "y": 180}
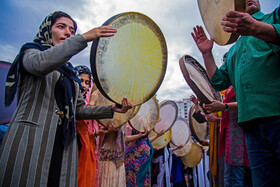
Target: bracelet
{"x": 227, "y": 108}
{"x": 95, "y": 133}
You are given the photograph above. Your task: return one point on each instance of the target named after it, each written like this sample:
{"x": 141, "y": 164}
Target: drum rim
{"x": 167, "y": 142}
{"x": 157, "y": 105}
{"x": 163, "y": 103}
{"x": 200, "y": 95}
{"x": 181, "y": 119}
{"x": 239, "y": 5}
{"x": 186, "y": 156}
{"x": 95, "y": 44}
{"x": 193, "y": 131}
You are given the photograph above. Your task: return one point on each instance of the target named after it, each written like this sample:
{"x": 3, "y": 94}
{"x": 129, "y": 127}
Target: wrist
{"x": 226, "y": 107}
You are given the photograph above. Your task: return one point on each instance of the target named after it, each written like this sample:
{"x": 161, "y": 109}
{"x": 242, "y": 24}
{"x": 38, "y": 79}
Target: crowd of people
{"x": 54, "y": 139}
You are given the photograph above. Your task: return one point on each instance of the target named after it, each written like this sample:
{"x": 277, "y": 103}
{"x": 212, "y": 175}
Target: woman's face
{"x": 85, "y": 81}
{"x": 62, "y": 29}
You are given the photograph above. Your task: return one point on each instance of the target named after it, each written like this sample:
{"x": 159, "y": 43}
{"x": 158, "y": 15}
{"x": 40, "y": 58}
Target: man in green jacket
{"x": 252, "y": 67}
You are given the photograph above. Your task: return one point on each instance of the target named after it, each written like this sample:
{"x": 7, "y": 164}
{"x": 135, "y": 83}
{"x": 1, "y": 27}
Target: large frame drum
{"x": 133, "y": 62}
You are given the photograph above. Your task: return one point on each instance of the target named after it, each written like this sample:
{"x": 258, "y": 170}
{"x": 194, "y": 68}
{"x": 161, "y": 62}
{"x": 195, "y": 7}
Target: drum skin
{"x": 180, "y": 132}
{"x": 168, "y": 115}
{"x": 196, "y": 77}
{"x": 194, "y": 155}
{"x": 200, "y": 131}
{"x": 161, "y": 141}
{"x": 119, "y": 119}
{"x": 147, "y": 116}
{"x": 131, "y": 64}
{"x": 212, "y": 13}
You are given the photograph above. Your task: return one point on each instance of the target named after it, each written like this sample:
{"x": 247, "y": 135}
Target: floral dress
{"x": 136, "y": 154}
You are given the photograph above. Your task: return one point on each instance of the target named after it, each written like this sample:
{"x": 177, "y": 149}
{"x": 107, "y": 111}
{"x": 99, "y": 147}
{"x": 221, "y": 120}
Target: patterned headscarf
{"x": 84, "y": 69}
{"x": 44, "y": 36}
{"x": 64, "y": 86}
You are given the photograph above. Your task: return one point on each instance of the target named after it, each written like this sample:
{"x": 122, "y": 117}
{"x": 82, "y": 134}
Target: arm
{"x": 211, "y": 118}
{"x": 40, "y": 63}
{"x": 130, "y": 138}
{"x": 205, "y": 46}
{"x": 176, "y": 148}
{"x": 84, "y": 112}
{"x": 217, "y": 106}
{"x": 156, "y": 136}
{"x": 194, "y": 100}
{"x": 199, "y": 117}
{"x": 244, "y": 24}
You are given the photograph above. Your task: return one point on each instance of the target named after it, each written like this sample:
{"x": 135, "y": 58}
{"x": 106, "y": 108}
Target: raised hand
{"x": 95, "y": 33}
{"x": 126, "y": 105}
{"x": 203, "y": 43}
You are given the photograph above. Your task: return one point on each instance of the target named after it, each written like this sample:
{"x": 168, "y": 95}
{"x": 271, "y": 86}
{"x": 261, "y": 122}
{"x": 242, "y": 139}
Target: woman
{"x": 138, "y": 151}
{"x": 40, "y": 145}
{"x": 111, "y": 171}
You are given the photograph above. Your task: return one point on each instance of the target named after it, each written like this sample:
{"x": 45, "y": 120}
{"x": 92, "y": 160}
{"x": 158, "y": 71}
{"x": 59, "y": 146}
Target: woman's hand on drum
{"x": 160, "y": 133}
{"x": 211, "y": 118}
{"x": 203, "y": 43}
{"x": 98, "y": 32}
{"x": 102, "y": 131}
{"x": 126, "y": 105}
{"x": 145, "y": 132}
{"x": 111, "y": 128}
{"x": 178, "y": 147}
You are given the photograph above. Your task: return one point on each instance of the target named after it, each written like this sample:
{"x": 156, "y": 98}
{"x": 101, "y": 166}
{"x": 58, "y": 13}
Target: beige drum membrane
{"x": 132, "y": 63}
{"x": 193, "y": 156}
{"x": 180, "y": 132}
{"x": 147, "y": 116}
{"x": 161, "y": 141}
{"x": 200, "y": 131}
{"x": 196, "y": 77}
{"x": 168, "y": 114}
{"x": 119, "y": 119}
{"x": 212, "y": 12}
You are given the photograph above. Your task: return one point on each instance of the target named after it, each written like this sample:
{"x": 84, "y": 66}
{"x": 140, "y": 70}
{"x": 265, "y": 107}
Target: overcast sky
{"x": 20, "y": 20}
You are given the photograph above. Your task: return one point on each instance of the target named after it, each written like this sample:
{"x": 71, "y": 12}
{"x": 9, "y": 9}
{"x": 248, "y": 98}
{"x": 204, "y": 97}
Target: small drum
{"x": 200, "y": 131}
{"x": 6, "y": 112}
{"x": 182, "y": 151}
{"x": 168, "y": 115}
{"x": 195, "y": 76}
{"x": 212, "y": 13}
{"x": 131, "y": 64}
{"x": 161, "y": 141}
{"x": 194, "y": 155}
{"x": 119, "y": 119}
{"x": 147, "y": 117}
{"x": 180, "y": 132}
